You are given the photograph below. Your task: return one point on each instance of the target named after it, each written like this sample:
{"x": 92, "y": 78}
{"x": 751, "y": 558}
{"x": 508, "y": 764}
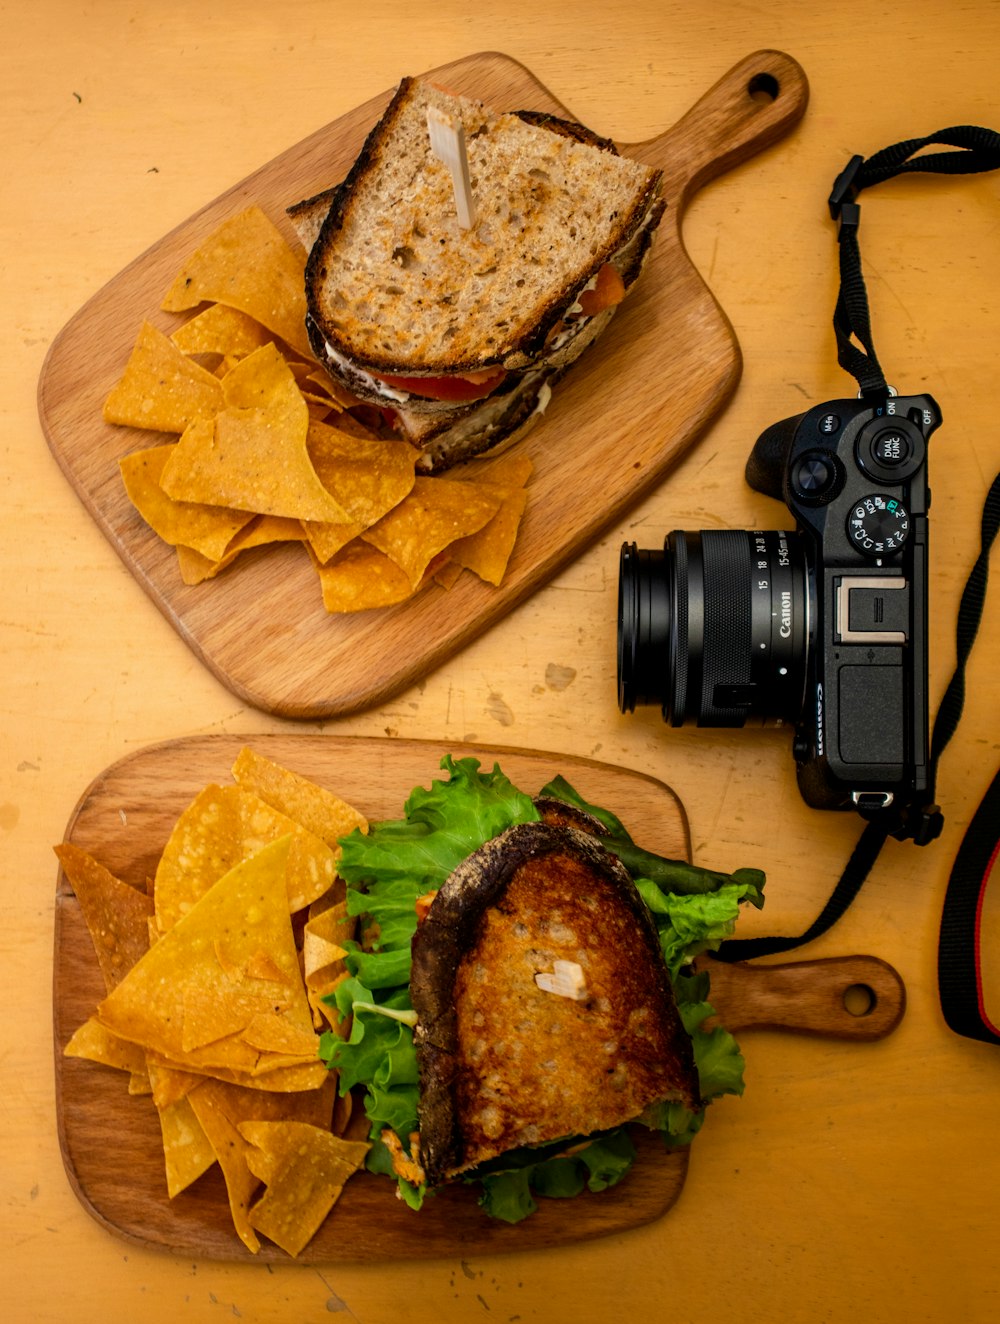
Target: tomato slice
{"x": 609, "y": 290}
{"x": 458, "y": 389}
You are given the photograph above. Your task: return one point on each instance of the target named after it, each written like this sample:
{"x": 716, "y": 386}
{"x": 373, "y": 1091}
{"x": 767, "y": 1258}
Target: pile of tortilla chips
{"x": 269, "y": 450}
{"x": 215, "y": 978}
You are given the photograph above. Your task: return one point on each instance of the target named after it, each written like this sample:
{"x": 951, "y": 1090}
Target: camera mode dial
{"x": 878, "y": 525}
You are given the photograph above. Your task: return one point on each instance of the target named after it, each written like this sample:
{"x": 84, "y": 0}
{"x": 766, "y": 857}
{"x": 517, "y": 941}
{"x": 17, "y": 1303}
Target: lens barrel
{"x": 715, "y": 628}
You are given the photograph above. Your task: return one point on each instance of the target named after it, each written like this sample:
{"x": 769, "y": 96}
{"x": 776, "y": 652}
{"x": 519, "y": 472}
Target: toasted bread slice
{"x": 503, "y": 1061}
{"x": 396, "y": 286}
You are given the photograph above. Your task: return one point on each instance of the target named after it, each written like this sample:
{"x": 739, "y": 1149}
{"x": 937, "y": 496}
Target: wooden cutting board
{"x": 625, "y": 414}
{"x": 110, "y": 1141}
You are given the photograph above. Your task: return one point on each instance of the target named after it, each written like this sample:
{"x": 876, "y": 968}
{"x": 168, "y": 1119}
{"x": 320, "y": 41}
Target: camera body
{"x": 854, "y": 476}
{"x": 823, "y": 627}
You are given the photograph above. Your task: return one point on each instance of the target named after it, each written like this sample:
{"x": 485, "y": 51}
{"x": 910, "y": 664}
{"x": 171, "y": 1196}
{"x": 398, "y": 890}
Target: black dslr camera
{"x": 823, "y": 627}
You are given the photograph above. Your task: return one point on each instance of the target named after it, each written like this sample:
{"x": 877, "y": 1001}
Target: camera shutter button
{"x": 814, "y": 477}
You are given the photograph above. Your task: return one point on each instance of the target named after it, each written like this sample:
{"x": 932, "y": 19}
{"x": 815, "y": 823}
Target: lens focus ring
{"x": 715, "y": 628}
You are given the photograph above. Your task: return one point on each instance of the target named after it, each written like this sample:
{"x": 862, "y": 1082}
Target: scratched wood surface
{"x": 628, "y": 411}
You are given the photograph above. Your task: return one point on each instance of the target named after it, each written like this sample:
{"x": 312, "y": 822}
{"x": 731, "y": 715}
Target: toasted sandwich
{"x": 544, "y": 1008}
{"x": 458, "y": 333}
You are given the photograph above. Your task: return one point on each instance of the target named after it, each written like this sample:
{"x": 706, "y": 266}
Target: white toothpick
{"x": 448, "y": 145}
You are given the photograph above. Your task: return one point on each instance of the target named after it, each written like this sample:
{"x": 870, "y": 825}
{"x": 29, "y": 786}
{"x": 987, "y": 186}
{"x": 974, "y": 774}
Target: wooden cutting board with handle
{"x": 111, "y": 1143}
{"x": 626, "y": 413}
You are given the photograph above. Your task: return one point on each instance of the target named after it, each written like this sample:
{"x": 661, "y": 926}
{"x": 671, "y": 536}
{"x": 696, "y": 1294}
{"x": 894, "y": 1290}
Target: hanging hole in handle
{"x": 859, "y": 1000}
{"x": 763, "y": 88}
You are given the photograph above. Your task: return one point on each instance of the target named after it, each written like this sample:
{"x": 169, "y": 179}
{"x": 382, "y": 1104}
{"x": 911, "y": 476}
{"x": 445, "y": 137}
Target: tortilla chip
{"x": 254, "y": 456}
{"x": 229, "y": 1148}
{"x": 313, "y": 807}
{"x": 447, "y": 574}
{"x": 260, "y": 531}
{"x": 272, "y": 1073}
{"x": 221, "y": 330}
{"x": 221, "y": 1110}
{"x": 95, "y": 1043}
{"x": 169, "y": 1085}
{"x": 305, "y": 1169}
{"x": 245, "y": 911}
{"x": 187, "y": 1151}
{"x": 116, "y": 914}
{"x": 368, "y": 478}
{"x": 327, "y": 932}
{"x": 208, "y": 530}
{"x": 326, "y": 540}
{"x": 161, "y": 389}
{"x": 436, "y": 513}
{"x": 247, "y": 264}
{"x": 512, "y": 469}
{"x": 488, "y": 552}
{"x": 360, "y": 578}
{"x": 226, "y": 1013}
{"x": 222, "y": 827}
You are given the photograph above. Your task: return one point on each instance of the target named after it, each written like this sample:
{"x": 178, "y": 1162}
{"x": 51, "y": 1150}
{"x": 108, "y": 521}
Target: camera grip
{"x": 765, "y": 471}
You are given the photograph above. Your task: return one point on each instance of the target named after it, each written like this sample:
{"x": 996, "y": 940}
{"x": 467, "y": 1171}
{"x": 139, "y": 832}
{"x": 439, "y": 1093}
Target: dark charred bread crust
{"x": 342, "y": 193}
{"x": 559, "y": 813}
{"x": 543, "y": 119}
{"x": 503, "y": 1063}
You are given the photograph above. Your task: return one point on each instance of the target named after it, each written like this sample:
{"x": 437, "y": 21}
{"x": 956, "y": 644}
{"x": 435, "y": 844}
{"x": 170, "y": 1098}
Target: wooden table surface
{"x": 850, "y": 1181}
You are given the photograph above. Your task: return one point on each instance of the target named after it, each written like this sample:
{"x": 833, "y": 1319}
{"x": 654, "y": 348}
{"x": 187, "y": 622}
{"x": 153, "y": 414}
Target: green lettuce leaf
{"x": 507, "y": 1195}
{"x": 440, "y": 828}
{"x": 679, "y": 876}
{"x": 694, "y": 923}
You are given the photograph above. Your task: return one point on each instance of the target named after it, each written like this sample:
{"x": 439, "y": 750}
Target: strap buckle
{"x": 845, "y": 190}
{"x": 843, "y": 207}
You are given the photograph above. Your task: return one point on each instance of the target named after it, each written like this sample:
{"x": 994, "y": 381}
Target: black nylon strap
{"x": 960, "y": 983}
{"x": 864, "y": 855}
{"x": 970, "y": 611}
{"x": 979, "y": 150}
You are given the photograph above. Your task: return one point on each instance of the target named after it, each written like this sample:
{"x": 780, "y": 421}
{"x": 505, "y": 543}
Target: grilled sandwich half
{"x": 462, "y": 332}
{"x": 544, "y": 1008}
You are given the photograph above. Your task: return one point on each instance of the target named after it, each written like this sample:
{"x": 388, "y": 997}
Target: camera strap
{"x": 959, "y": 968}
{"x": 978, "y": 151}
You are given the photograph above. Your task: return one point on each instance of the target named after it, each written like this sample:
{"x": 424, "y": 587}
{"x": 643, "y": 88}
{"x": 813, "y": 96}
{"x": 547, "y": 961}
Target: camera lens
{"x": 715, "y": 628}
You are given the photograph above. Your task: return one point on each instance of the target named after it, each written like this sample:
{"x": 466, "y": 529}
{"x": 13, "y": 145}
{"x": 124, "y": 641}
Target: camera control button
{"x": 829, "y": 424}
{"x": 890, "y": 450}
{"x": 815, "y": 477}
{"x": 891, "y": 447}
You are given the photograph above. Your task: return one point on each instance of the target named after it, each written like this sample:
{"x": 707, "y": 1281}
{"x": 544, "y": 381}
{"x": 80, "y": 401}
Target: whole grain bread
{"x": 505, "y": 1063}
{"x": 395, "y": 286}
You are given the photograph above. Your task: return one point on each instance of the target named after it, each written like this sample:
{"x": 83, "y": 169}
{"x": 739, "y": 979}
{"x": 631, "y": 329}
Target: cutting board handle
{"x": 752, "y": 106}
{"x": 846, "y": 997}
